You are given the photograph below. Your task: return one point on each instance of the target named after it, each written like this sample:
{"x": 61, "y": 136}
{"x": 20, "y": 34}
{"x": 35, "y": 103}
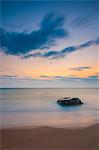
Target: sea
{"x": 38, "y": 107}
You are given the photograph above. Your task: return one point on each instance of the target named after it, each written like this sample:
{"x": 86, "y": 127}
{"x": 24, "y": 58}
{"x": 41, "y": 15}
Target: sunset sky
{"x": 49, "y": 43}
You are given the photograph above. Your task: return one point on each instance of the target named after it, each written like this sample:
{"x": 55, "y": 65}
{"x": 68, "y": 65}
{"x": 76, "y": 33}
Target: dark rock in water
{"x": 67, "y": 101}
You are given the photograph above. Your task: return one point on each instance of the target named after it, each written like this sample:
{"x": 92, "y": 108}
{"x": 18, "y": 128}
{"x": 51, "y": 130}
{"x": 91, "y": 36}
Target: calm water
{"x": 27, "y": 107}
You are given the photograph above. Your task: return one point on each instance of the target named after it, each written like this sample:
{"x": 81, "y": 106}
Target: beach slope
{"x": 50, "y": 138}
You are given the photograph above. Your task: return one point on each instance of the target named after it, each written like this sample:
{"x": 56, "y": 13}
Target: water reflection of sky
{"x": 17, "y": 110}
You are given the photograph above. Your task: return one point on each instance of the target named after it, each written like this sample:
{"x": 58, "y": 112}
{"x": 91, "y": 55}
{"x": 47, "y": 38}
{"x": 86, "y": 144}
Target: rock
{"x": 67, "y": 101}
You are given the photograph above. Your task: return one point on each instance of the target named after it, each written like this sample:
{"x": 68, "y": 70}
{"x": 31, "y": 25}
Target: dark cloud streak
{"x": 80, "y": 68}
{"x": 62, "y": 53}
{"x": 67, "y": 50}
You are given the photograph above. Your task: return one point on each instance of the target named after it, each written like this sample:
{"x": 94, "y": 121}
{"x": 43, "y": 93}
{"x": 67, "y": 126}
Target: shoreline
{"x": 50, "y": 138}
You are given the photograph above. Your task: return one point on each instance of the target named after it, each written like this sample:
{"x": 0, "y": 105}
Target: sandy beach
{"x": 43, "y": 138}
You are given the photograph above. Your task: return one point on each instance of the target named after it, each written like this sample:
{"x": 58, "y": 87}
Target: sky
{"x": 49, "y": 44}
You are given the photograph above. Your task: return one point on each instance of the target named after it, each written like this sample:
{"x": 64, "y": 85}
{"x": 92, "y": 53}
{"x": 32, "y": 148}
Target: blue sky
{"x": 36, "y": 34}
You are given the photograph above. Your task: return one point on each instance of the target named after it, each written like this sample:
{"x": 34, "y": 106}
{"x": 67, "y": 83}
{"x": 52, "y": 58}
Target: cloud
{"x": 51, "y": 28}
{"x": 93, "y": 77}
{"x": 8, "y": 76}
{"x": 44, "y": 76}
{"x": 67, "y": 50}
{"x": 80, "y": 68}
{"x": 59, "y": 77}
{"x": 21, "y": 43}
{"x": 97, "y": 41}
{"x": 11, "y": 77}
{"x": 86, "y": 17}
{"x": 53, "y": 77}
{"x": 62, "y": 53}
{"x": 87, "y": 44}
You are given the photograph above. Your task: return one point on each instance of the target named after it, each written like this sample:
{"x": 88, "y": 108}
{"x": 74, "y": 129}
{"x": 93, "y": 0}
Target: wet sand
{"x": 50, "y": 138}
